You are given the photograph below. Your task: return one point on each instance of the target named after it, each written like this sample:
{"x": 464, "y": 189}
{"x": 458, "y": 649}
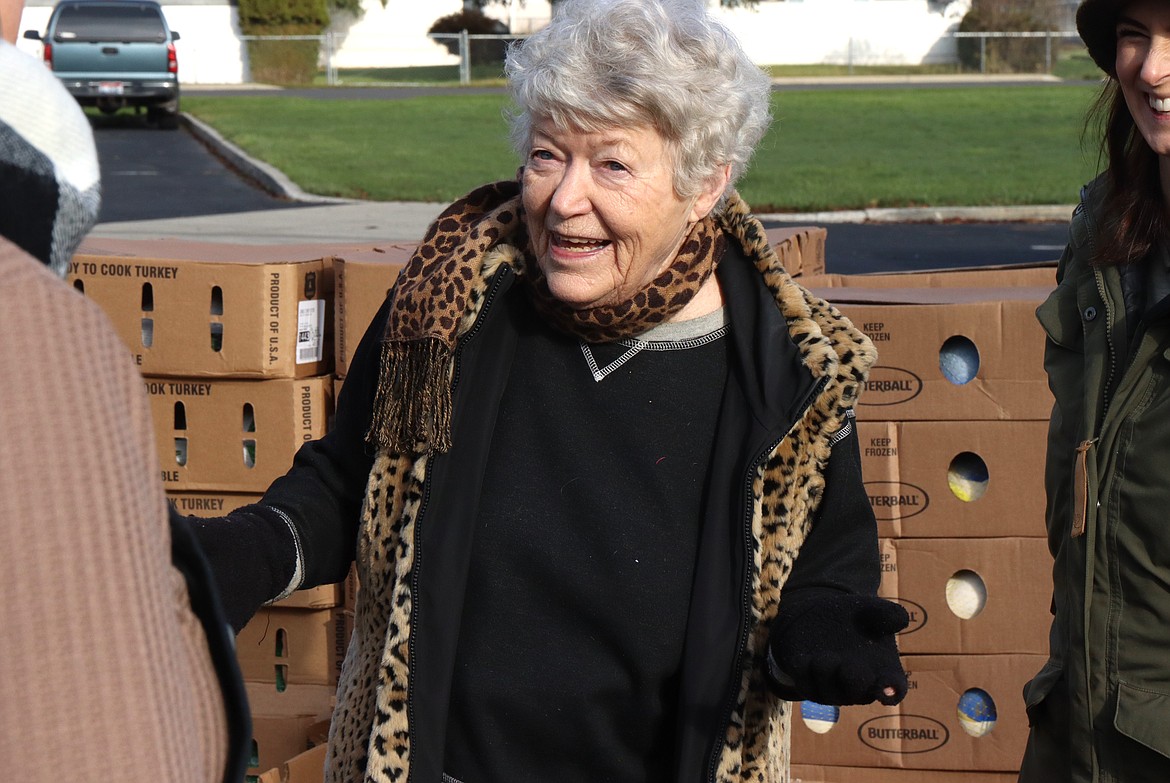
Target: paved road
{"x": 177, "y": 184}
{"x": 904, "y": 247}
{"x": 148, "y": 174}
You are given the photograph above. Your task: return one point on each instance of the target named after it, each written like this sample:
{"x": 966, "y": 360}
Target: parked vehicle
{"x": 115, "y": 54}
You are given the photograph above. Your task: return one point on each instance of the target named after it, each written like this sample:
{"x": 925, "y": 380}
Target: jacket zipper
{"x": 1099, "y": 281}
{"x": 1108, "y": 393}
{"x": 746, "y": 595}
{"x": 416, "y": 569}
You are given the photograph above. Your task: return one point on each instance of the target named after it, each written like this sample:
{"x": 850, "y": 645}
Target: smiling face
{"x": 601, "y": 210}
{"x": 1143, "y": 70}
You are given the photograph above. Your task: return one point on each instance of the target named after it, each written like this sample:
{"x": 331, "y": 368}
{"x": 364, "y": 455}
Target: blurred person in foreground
{"x": 1100, "y": 708}
{"x": 595, "y": 455}
{"x": 116, "y": 662}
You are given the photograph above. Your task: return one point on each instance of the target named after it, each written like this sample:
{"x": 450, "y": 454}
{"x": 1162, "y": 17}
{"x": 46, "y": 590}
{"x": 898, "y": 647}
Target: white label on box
{"x": 310, "y": 331}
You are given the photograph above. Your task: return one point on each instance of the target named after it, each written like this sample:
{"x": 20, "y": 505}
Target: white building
{"x": 775, "y": 32}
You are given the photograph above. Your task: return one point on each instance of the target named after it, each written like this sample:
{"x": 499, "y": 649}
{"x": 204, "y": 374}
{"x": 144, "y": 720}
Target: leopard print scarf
{"x": 412, "y": 408}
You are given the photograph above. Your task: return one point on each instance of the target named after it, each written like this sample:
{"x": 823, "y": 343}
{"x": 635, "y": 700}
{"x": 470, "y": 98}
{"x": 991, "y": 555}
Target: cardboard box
{"x": 211, "y": 504}
{"x": 283, "y": 720}
{"x": 277, "y": 739}
{"x": 950, "y": 353}
{"x": 970, "y": 595}
{"x": 294, "y": 646}
{"x": 925, "y": 731}
{"x": 340, "y": 595}
{"x": 955, "y": 479}
{"x": 234, "y": 436}
{"x": 203, "y": 309}
{"x": 807, "y": 773}
{"x": 1016, "y": 275}
{"x": 363, "y": 281}
{"x": 801, "y": 249}
{"x": 309, "y": 767}
{"x": 311, "y": 701}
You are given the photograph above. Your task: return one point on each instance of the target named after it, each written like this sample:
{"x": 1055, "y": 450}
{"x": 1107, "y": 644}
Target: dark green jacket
{"x": 1100, "y": 708}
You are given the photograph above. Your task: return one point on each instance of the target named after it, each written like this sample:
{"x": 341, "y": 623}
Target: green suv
{"x": 114, "y": 54}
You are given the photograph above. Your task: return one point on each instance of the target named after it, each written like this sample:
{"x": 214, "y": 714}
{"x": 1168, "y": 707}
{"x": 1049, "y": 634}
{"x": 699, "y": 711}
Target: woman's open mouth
{"x": 569, "y": 244}
{"x": 1160, "y": 105}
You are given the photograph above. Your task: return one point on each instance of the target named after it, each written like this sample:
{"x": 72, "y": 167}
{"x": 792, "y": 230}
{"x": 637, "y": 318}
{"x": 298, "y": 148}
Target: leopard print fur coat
{"x": 370, "y": 738}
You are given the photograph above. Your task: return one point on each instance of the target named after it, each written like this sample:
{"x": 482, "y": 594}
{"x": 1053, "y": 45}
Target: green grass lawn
{"x": 827, "y": 149}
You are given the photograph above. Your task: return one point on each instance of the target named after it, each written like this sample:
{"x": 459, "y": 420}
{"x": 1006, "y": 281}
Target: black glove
{"x": 838, "y": 648}
{"x": 251, "y": 553}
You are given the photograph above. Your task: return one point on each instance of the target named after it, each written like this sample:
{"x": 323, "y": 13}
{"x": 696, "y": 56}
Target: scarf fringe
{"x": 412, "y": 408}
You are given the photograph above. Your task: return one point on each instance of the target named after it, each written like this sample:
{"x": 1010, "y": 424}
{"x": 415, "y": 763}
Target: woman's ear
{"x": 708, "y": 197}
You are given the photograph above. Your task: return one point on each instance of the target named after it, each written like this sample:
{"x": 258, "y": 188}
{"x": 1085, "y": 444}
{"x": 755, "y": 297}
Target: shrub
{"x": 283, "y": 62}
{"x": 1003, "y": 55}
{"x": 475, "y": 22}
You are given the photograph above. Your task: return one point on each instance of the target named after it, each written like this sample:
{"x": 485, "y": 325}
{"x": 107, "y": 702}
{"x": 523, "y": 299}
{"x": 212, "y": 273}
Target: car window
{"x": 95, "y": 22}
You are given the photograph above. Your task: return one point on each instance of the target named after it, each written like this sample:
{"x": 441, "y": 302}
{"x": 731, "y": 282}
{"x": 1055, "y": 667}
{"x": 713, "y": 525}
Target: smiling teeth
{"x": 580, "y": 244}
{"x": 1159, "y": 104}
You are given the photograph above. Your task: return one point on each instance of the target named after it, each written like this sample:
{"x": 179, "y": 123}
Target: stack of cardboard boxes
{"x": 235, "y": 347}
{"x": 952, "y": 427}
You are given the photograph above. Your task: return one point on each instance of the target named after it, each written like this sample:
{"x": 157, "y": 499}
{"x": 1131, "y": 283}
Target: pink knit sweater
{"x": 104, "y": 669}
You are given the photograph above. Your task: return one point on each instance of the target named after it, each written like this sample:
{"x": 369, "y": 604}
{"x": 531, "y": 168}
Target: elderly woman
{"x": 596, "y": 453}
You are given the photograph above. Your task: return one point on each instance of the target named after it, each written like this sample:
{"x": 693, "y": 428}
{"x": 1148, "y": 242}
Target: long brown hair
{"x": 1134, "y": 211}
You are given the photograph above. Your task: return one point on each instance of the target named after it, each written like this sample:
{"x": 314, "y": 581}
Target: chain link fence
{"x": 309, "y": 59}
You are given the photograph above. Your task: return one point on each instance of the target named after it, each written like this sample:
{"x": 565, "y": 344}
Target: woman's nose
{"x": 1156, "y": 67}
{"x": 571, "y": 196}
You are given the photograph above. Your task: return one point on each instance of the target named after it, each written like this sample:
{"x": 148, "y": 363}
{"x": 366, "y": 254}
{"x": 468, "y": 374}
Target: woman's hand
{"x": 839, "y": 648}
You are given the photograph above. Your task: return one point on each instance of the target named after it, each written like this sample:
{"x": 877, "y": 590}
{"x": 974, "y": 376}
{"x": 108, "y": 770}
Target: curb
{"x": 268, "y": 177}
{"x": 274, "y": 181}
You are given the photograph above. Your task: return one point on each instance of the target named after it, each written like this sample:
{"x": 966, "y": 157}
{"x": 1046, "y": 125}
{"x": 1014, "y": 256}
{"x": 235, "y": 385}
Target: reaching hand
{"x": 839, "y": 649}
{"x": 251, "y": 557}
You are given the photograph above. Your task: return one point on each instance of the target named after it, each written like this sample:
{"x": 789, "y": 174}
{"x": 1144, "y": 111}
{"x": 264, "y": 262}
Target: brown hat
{"x": 1097, "y": 24}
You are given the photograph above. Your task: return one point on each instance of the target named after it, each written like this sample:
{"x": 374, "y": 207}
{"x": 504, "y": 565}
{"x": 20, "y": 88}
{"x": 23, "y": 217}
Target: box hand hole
{"x": 967, "y": 476}
{"x": 977, "y": 712}
{"x": 966, "y": 594}
{"x": 958, "y": 359}
{"x": 820, "y": 718}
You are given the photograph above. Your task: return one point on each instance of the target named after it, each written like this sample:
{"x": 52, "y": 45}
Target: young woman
{"x": 1100, "y": 708}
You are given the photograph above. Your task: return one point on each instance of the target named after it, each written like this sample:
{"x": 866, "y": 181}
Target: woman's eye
{"x": 1129, "y": 32}
{"x": 613, "y": 165}
{"x": 542, "y": 155}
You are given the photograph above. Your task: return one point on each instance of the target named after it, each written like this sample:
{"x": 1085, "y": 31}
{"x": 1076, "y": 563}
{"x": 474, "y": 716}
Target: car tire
{"x": 165, "y": 116}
